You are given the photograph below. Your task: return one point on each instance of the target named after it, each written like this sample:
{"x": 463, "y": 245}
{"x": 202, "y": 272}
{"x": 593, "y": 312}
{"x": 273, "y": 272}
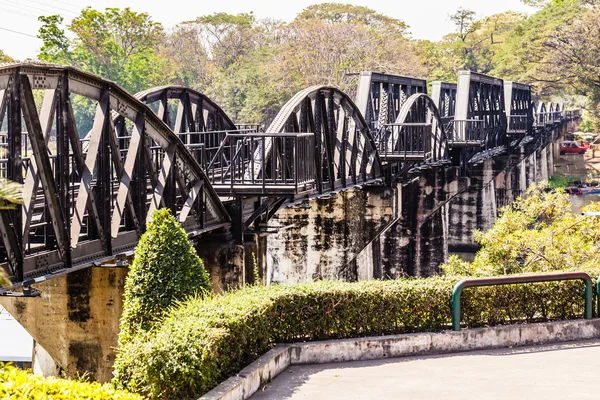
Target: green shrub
{"x": 16, "y": 384}
{"x": 203, "y": 341}
{"x": 165, "y": 269}
{"x": 538, "y": 233}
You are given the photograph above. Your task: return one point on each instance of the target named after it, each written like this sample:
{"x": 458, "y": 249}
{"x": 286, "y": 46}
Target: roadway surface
{"x": 562, "y": 371}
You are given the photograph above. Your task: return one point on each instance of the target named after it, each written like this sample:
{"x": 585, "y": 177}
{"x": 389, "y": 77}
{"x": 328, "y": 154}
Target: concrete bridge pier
{"x": 495, "y": 183}
{"x": 475, "y": 208}
{"x": 75, "y": 321}
{"x": 334, "y": 236}
{"x": 417, "y": 243}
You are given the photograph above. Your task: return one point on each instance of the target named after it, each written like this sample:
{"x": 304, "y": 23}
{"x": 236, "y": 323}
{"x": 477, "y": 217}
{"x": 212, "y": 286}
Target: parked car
{"x": 571, "y": 147}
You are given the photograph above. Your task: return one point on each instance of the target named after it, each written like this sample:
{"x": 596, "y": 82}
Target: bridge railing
{"x": 404, "y": 142}
{"x": 263, "y": 163}
{"x": 517, "y": 124}
{"x": 556, "y": 117}
{"x": 541, "y": 119}
{"x": 205, "y": 145}
{"x": 250, "y": 128}
{"x": 467, "y": 132}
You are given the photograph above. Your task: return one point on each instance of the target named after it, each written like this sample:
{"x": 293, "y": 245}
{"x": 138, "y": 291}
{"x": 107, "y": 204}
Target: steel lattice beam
{"x": 87, "y": 203}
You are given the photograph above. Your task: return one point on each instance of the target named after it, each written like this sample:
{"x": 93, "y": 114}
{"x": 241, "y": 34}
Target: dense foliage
{"x": 251, "y": 66}
{"x": 4, "y": 58}
{"x": 203, "y": 341}
{"x": 16, "y": 384}
{"x": 537, "y": 233}
{"x": 119, "y": 45}
{"x": 165, "y": 269}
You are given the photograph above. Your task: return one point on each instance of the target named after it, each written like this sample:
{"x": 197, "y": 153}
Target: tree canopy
{"x": 118, "y": 44}
{"x": 252, "y": 65}
{"x": 539, "y": 232}
{"x": 4, "y": 58}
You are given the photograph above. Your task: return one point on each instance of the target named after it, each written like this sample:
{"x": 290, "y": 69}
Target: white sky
{"x": 428, "y": 19}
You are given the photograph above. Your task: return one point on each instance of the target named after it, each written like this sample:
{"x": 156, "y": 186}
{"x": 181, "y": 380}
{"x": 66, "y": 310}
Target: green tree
{"x": 525, "y": 57}
{"x": 472, "y": 46}
{"x": 537, "y": 233}
{"x": 5, "y": 58}
{"x": 348, "y": 13}
{"x": 557, "y": 50}
{"x": 165, "y": 270}
{"x": 118, "y": 44}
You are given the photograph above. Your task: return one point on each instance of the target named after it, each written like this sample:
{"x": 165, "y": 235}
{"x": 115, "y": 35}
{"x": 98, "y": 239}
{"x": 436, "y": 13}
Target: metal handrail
{"x": 270, "y": 135}
{"x": 508, "y": 280}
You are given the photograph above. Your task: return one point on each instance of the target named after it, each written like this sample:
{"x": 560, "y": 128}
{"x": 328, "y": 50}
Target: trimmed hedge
{"x": 16, "y": 384}
{"x": 203, "y": 341}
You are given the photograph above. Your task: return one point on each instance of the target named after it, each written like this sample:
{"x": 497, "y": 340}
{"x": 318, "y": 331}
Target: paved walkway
{"x": 566, "y": 371}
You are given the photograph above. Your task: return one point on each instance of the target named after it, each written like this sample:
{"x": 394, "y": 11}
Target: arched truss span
{"x": 83, "y": 207}
{"x": 186, "y": 110}
{"x": 344, "y": 152}
{"x": 444, "y": 97}
{"x": 416, "y": 136}
{"x": 198, "y": 121}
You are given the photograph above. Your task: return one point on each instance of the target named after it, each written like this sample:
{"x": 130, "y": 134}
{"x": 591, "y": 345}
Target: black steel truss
{"x": 87, "y": 200}
{"x": 87, "y": 203}
{"x": 444, "y": 97}
{"x": 380, "y": 97}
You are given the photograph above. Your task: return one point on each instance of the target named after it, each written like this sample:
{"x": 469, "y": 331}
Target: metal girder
{"x": 518, "y": 107}
{"x": 40, "y": 152}
{"x": 75, "y": 217}
{"x": 379, "y": 97}
{"x": 480, "y": 119}
{"x": 444, "y": 97}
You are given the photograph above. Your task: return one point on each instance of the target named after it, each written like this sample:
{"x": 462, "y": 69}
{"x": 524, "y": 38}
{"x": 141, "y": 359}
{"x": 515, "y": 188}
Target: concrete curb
{"x": 272, "y": 363}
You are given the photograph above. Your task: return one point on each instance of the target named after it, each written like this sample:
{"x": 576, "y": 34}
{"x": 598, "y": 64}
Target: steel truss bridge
{"x": 96, "y": 161}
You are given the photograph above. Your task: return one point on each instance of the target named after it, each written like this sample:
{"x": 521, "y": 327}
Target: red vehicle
{"x": 572, "y": 148}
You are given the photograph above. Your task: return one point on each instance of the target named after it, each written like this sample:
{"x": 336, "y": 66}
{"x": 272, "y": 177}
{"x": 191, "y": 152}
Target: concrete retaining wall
{"x": 251, "y": 378}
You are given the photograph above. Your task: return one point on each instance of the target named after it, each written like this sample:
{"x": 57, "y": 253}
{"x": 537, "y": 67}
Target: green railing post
{"x": 456, "y": 305}
{"x": 598, "y": 293}
{"x": 507, "y": 280}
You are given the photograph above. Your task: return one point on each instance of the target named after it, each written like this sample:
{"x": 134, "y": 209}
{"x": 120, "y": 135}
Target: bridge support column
{"x": 323, "y": 238}
{"x": 225, "y": 262}
{"x": 550, "y": 158}
{"x": 475, "y": 208}
{"x": 418, "y": 243}
{"x": 75, "y": 320}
